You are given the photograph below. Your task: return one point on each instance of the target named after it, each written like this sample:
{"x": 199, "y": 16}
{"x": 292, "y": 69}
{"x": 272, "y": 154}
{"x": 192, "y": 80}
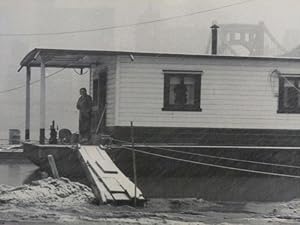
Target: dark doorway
{"x": 99, "y": 101}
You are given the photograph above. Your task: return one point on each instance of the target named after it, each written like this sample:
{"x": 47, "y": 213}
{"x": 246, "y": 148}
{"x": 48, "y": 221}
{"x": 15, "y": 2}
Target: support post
{"x": 42, "y": 103}
{"x": 53, "y": 166}
{"x": 27, "y": 110}
{"x": 133, "y": 161}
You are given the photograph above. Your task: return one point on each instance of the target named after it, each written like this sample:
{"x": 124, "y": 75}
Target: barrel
{"x": 14, "y": 136}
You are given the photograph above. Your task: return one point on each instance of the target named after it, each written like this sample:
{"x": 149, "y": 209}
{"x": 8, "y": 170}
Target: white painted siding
{"x": 235, "y": 93}
{"x": 110, "y": 97}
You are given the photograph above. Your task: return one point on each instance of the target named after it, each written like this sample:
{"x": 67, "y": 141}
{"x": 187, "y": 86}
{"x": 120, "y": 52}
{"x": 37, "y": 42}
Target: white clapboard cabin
{"x": 183, "y": 98}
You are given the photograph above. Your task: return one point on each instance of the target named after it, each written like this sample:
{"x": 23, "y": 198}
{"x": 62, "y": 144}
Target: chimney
{"x": 214, "y": 39}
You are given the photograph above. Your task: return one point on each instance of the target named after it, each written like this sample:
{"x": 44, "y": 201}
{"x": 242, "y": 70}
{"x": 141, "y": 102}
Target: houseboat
{"x": 188, "y": 114}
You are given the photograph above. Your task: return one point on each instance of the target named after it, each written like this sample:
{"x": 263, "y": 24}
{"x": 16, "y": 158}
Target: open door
{"x": 99, "y": 101}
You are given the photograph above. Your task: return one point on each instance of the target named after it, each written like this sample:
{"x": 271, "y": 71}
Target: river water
{"x": 15, "y": 172}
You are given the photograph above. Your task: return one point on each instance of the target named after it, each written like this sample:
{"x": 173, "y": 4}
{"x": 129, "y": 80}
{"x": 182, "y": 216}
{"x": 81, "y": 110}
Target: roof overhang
{"x": 62, "y": 58}
{"x": 70, "y": 58}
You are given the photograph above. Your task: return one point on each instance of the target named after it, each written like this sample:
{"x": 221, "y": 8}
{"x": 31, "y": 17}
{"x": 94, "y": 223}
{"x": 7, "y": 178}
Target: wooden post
{"x": 53, "y": 166}
{"x": 133, "y": 161}
{"x": 27, "y": 110}
{"x": 42, "y": 103}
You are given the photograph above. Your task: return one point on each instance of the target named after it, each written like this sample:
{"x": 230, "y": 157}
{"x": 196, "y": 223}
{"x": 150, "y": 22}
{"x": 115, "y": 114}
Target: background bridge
{"x": 246, "y": 39}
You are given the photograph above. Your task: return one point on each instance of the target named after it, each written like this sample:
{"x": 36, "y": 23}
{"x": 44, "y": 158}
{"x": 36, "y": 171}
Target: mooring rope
{"x": 217, "y": 157}
{"x": 212, "y": 165}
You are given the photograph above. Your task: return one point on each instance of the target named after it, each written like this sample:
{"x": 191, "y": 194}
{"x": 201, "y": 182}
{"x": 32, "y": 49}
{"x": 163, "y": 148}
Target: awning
{"x": 63, "y": 58}
{"x": 70, "y": 58}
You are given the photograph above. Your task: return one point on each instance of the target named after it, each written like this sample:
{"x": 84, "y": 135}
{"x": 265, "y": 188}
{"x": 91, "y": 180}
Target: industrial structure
{"x": 247, "y": 39}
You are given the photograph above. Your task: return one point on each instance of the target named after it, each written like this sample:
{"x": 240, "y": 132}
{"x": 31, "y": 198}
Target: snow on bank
{"x": 60, "y": 201}
{"x": 48, "y": 191}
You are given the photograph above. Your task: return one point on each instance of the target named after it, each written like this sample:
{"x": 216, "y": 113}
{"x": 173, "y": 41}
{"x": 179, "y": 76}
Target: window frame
{"x": 197, "y": 75}
{"x": 281, "y": 81}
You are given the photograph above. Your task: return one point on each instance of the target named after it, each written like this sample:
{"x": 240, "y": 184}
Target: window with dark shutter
{"x": 289, "y": 94}
{"x": 182, "y": 90}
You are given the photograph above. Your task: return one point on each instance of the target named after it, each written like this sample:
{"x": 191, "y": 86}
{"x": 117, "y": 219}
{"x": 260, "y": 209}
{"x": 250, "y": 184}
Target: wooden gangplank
{"x": 108, "y": 182}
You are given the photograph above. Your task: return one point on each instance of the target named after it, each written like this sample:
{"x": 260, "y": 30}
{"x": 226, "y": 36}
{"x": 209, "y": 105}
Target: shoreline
{"x": 61, "y": 201}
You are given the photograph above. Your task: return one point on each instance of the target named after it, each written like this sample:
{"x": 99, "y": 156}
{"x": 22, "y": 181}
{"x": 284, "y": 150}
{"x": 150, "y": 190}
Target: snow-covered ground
{"x": 51, "y": 201}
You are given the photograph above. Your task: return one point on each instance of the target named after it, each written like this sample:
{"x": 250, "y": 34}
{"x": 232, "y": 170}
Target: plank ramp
{"x": 108, "y": 182}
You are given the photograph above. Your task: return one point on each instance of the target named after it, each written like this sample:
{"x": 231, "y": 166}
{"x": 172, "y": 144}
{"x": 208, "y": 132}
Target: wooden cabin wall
{"x": 110, "y": 97}
{"x": 235, "y": 93}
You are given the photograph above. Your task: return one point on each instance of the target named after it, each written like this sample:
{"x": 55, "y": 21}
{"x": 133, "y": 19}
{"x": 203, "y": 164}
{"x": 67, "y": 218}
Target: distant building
{"x": 247, "y": 39}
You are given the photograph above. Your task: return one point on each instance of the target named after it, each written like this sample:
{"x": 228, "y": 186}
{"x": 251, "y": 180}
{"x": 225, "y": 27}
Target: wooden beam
{"x": 27, "y": 110}
{"x": 42, "y": 103}
{"x": 133, "y": 162}
{"x": 53, "y": 166}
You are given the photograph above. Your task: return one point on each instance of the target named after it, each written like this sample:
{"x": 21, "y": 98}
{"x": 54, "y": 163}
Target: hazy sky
{"x": 186, "y": 34}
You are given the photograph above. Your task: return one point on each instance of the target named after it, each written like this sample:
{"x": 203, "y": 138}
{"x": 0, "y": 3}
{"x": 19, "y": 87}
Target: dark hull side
{"x": 65, "y": 158}
{"x": 160, "y": 177}
{"x": 158, "y": 165}
{"x": 208, "y": 136}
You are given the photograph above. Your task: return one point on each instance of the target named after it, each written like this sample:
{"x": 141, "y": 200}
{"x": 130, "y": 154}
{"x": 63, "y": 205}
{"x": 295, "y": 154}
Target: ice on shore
{"x": 61, "y": 201}
{"x": 47, "y": 191}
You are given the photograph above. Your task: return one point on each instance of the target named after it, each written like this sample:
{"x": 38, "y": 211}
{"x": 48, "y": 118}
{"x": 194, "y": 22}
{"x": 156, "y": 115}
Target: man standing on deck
{"x": 84, "y": 105}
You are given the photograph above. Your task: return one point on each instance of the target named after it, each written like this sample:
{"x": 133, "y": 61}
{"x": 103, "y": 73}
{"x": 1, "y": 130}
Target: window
{"x": 182, "y": 90}
{"x": 289, "y": 94}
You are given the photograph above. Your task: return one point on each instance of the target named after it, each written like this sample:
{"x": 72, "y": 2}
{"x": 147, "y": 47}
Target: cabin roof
{"x": 71, "y": 58}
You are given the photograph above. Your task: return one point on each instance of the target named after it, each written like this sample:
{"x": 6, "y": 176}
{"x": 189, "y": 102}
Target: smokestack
{"x": 214, "y": 39}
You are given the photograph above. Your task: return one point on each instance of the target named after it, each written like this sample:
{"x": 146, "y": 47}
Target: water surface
{"x": 15, "y": 172}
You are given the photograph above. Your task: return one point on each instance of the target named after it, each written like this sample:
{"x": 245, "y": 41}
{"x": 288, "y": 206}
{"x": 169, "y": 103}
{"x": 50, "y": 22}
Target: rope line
{"x": 125, "y": 25}
{"x": 213, "y": 165}
{"x": 219, "y": 157}
{"x": 234, "y": 147}
{"x": 293, "y": 85}
{"x": 279, "y": 74}
{"x": 31, "y": 83}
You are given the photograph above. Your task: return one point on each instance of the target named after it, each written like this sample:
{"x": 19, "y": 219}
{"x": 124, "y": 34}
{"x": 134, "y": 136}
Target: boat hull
{"x": 165, "y": 177}
{"x": 65, "y": 156}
